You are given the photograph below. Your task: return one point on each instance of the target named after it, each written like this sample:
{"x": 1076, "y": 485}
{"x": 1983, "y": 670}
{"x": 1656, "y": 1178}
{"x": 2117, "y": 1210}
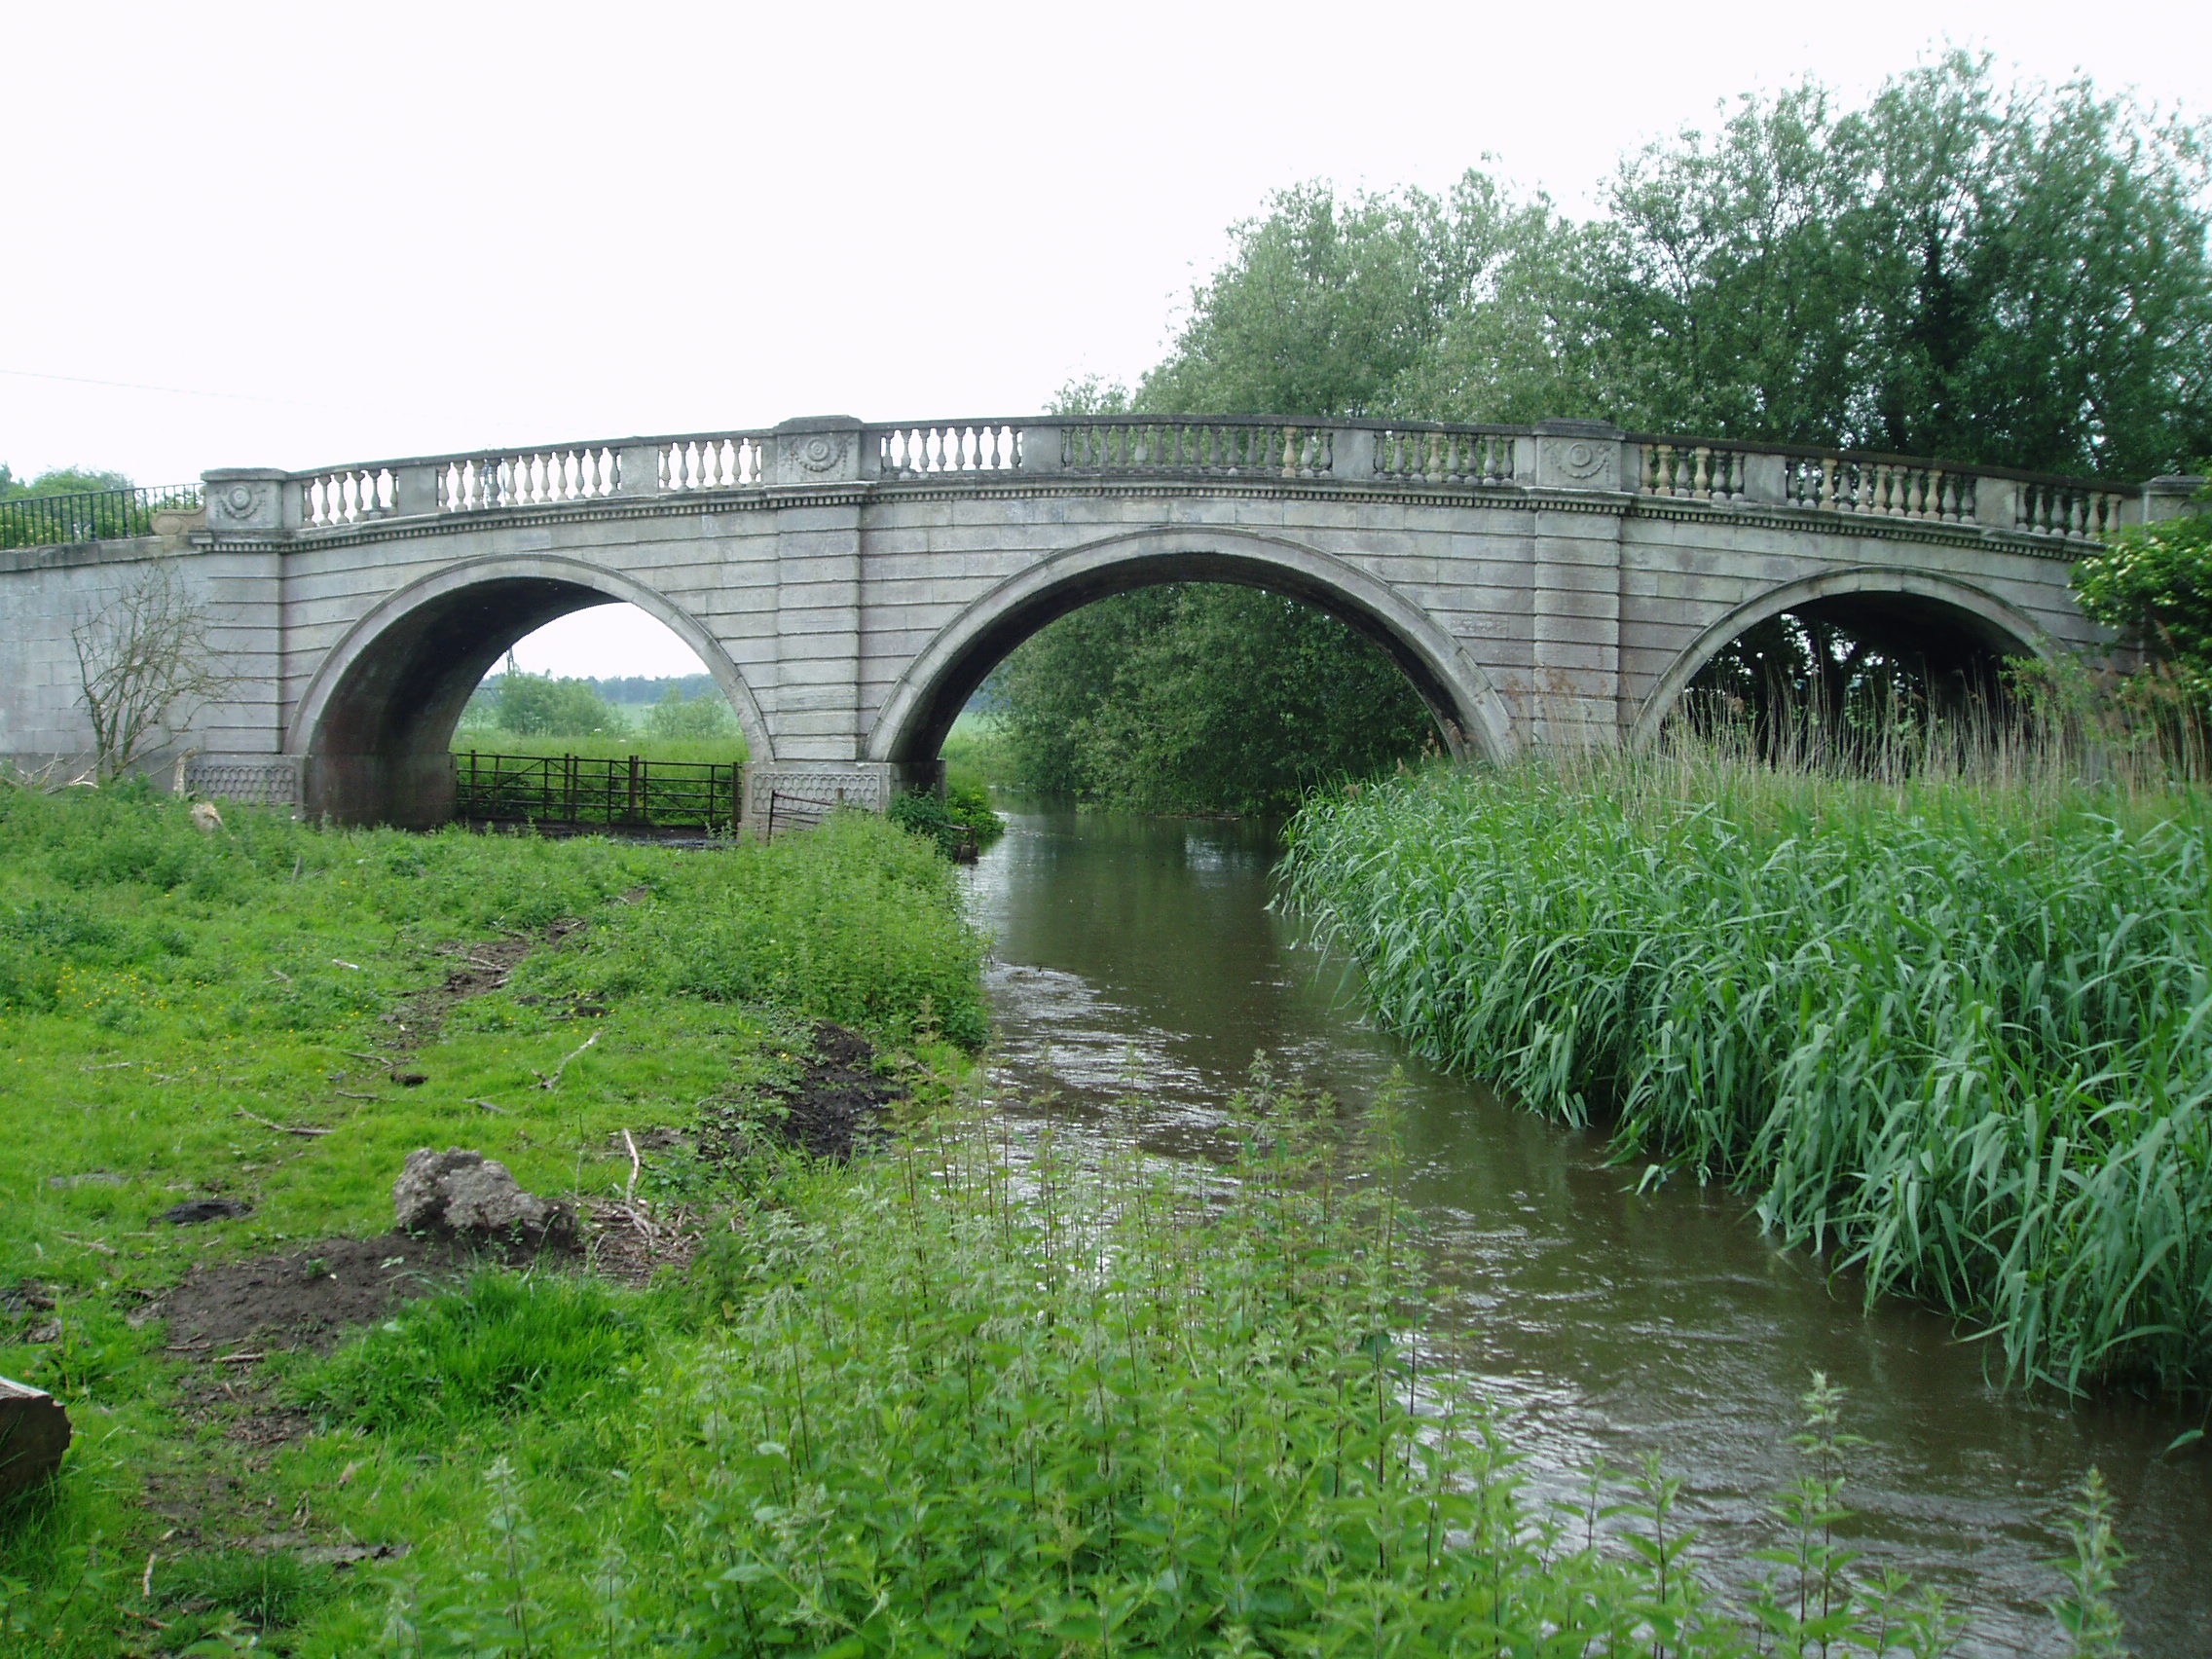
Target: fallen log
{"x": 34, "y": 1432}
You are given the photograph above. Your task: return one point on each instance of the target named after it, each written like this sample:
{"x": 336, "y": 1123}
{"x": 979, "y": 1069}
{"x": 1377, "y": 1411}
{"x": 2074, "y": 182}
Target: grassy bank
{"x": 1960, "y": 1035}
{"x": 961, "y": 1397}
{"x": 234, "y": 1016}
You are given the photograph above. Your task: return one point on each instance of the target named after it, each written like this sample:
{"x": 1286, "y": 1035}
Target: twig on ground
{"x": 348, "y": 1095}
{"x": 87, "y": 1243}
{"x": 146, "y": 1580}
{"x": 280, "y": 1128}
{"x": 545, "y": 1082}
{"x": 504, "y": 1111}
{"x": 636, "y": 1168}
{"x": 373, "y": 1059}
{"x": 282, "y": 975}
{"x": 239, "y": 1359}
{"x": 109, "y": 1065}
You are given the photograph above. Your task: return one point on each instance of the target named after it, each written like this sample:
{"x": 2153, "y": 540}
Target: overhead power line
{"x": 172, "y": 391}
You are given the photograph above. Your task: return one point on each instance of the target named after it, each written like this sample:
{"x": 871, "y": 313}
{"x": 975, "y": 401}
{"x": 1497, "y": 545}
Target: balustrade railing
{"x": 1847, "y": 483}
{"x": 1696, "y": 472}
{"x": 1658, "y": 467}
{"x": 347, "y": 495}
{"x": 1215, "y": 448}
{"x": 928, "y": 452}
{"x": 734, "y": 462}
{"x": 1444, "y": 455}
{"x": 2077, "y": 511}
{"x": 529, "y": 478}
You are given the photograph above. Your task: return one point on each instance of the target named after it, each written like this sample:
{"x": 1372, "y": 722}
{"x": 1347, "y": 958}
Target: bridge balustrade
{"x": 1408, "y": 454}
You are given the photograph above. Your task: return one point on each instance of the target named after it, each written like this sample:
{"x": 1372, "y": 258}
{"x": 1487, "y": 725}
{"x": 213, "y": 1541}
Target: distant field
{"x": 490, "y": 740}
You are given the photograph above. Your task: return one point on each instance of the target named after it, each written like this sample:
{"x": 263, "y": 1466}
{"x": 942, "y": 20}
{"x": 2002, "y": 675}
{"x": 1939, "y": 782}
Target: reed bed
{"x": 1954, "y": 1027}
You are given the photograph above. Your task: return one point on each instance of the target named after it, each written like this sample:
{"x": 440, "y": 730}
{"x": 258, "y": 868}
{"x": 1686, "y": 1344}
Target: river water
{"x": 1136, "y": 971}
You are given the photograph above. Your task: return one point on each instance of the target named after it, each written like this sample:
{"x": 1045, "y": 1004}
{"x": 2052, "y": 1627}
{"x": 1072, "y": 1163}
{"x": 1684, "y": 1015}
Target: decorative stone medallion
{"x": 1582, "y": 461}
{"x": 241, "y": 504}
{"x": 816, "y": 451}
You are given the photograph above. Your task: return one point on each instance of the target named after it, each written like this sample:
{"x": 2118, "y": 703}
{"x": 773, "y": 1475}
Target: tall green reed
{"x": 1951, "y": 1021}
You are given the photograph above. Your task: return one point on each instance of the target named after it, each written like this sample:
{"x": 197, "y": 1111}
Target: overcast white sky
{"x": 348, "y": 232}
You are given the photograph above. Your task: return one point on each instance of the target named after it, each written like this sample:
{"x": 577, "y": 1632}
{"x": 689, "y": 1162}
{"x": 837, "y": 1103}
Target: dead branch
{"x": 547, "y": 1082}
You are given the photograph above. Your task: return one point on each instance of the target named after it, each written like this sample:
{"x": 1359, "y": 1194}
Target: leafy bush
{"x": 705, "y": 716}
{"x": 959, "y": 1404}
{"x": 1955, "y": 1030}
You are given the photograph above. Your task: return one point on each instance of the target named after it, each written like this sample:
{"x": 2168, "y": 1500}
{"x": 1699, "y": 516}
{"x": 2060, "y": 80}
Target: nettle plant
{"x": 984, "y": 1400}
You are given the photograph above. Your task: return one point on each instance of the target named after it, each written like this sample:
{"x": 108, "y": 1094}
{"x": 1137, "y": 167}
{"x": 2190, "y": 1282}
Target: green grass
{"x": 173, "y": 1003}
{"x": 962, "y": 1398}
{"x": 1959, "y": 1034}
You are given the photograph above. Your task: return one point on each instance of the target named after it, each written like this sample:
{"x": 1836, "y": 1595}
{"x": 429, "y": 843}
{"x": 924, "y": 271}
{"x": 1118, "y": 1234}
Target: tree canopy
{"x": 2008, "y": 275}
{"x": 1985, "y": 273}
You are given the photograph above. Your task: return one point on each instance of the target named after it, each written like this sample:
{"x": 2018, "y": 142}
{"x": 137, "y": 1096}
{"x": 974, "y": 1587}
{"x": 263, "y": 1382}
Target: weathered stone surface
{"x": 459, "y": 1192}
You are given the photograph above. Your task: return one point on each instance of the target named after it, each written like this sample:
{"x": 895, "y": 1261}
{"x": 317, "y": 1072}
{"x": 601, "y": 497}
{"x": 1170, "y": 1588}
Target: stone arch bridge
{"x": 849, "y": 585}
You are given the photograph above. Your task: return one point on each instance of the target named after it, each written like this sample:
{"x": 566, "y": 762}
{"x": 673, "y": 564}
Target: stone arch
{"x": 1996, "y": 625}
{"x": 377, "y": 715}
{"x": 926, "y": 697}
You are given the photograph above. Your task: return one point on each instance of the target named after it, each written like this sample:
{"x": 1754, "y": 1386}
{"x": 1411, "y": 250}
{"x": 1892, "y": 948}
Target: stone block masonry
{"x": 850, "y": 584}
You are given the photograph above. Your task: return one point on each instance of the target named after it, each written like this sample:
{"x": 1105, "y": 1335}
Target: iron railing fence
{"x": 94, "y": 515}
{"x": 627, "y": 792}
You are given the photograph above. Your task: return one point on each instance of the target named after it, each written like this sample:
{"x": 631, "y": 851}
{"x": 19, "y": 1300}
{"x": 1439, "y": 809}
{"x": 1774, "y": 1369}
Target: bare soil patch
{"x": 310, "y": 1297}
{"x": 839, "y": 1104}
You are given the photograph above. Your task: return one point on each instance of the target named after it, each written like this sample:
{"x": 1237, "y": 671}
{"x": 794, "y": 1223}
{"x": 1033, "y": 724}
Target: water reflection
{"x": 1137, "y": 971}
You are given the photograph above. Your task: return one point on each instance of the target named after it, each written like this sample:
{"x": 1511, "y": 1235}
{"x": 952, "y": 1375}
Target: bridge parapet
{"x": 1551, "y": 456}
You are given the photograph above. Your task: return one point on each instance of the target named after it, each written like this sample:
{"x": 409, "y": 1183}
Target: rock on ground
{"x": 456, "y": 1192}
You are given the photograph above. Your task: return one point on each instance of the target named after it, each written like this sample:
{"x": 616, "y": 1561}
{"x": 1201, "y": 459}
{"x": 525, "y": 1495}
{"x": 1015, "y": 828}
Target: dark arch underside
{"x": 925, "y": 729}
{"x": 380, "y": 752}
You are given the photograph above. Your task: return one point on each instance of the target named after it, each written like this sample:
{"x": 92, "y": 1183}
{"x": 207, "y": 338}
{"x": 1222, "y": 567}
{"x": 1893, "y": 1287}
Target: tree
{"x": 1193, "y": 697}
{"x": 2152, "y": 585}
{"x": 2013, "y": 275}
{"x": 60, "y": 481}
{"x": 706, "y": 716}
{"x": 537, "y": 705}
{"x": 143, "y": 669}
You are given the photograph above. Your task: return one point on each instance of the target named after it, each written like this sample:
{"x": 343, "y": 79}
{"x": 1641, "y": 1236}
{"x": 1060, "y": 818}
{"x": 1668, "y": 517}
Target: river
{"x": 1137, "y": 970}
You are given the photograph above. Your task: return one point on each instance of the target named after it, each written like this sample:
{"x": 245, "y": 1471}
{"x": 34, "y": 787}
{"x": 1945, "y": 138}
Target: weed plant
{"x": 964, "y": 1402}
{"x": 1953, "y": 1025}
{"x": 855, "y": 920}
